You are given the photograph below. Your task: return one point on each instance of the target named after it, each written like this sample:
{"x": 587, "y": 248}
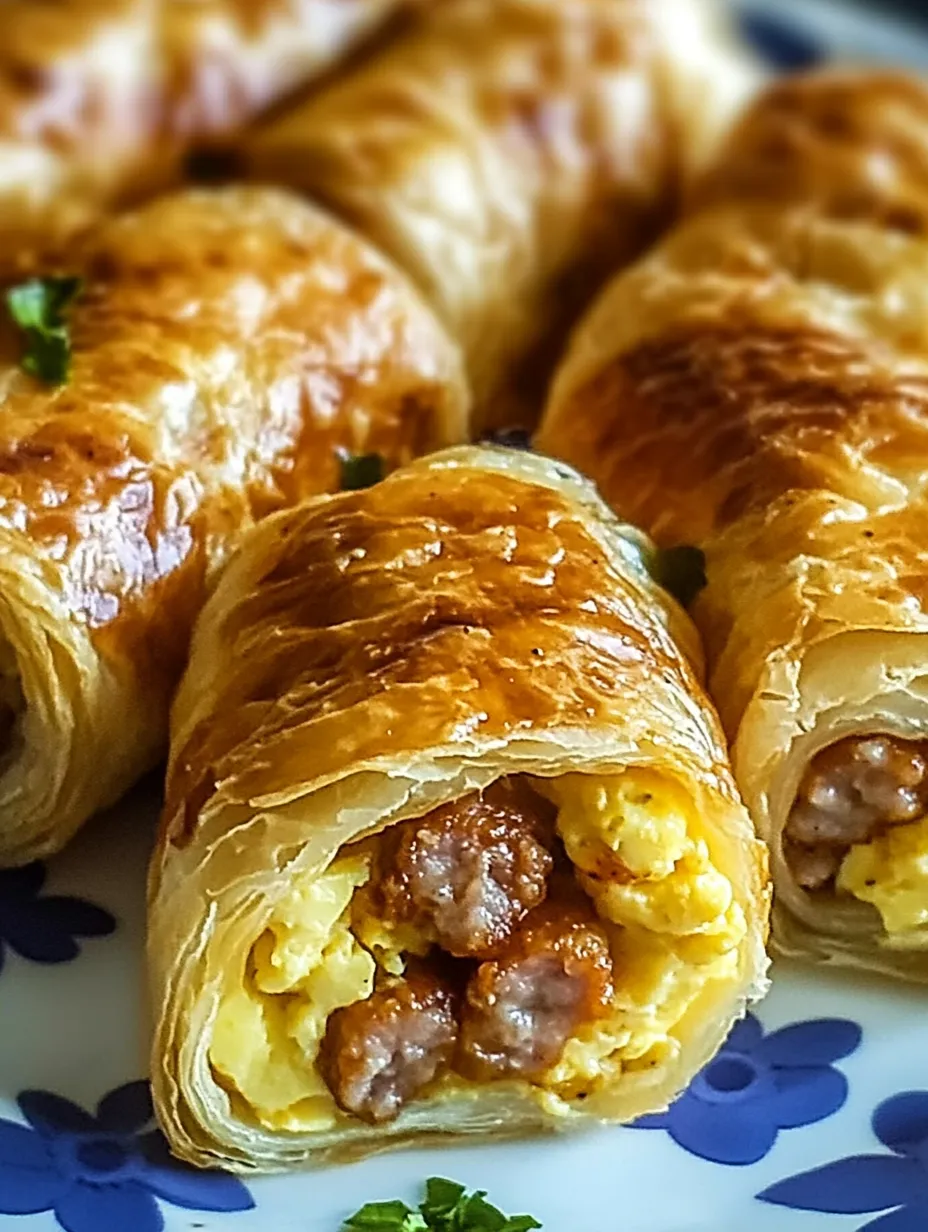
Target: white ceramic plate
{"x": 815, "y": 1116}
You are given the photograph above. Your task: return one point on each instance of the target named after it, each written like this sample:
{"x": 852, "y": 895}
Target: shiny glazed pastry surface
{"x": 759, "y": 386}
{"x": 450, "y": 843}
{"x": 99, "y": 99}
{"x": 510, "y": 154}
{"x": 225, "y": 347}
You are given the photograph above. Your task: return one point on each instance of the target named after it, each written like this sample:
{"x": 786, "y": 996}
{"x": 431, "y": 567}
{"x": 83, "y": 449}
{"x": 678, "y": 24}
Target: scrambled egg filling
{"x": 674, "y": 929}
{"x": 891, "y": 873}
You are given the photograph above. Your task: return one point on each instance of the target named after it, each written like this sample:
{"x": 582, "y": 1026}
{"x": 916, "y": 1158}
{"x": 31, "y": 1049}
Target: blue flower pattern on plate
{"x": 105, "y": 1172}
{"x": 44, "y": 929}
{"x": 758, "y": 1085}
{"x": 866, "y": 1184}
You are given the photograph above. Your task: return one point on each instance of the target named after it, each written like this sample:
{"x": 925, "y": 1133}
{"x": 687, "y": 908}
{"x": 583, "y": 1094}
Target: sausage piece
{"x": 851, "y": 792}
{"x": 378, "y": 1054}
{"x": 522, "y": 1008}
{"x": 472, "y": 869}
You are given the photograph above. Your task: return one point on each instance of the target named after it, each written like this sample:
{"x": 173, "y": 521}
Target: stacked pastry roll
{"x": 99, "y": 99}
{"x": 227, "y": 351}
{"x": 510, "y": 154}
{"x": 759, "y": 386}
{"x": 451, "y": 845}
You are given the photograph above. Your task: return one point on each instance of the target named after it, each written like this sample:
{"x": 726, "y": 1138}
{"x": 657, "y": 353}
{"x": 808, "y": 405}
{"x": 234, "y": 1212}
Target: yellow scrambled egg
{"x": 891, "y": 872}
{"x": 303, "y": 967}
{"x": 680, "y": 927}
{"x": 675, "y": 929}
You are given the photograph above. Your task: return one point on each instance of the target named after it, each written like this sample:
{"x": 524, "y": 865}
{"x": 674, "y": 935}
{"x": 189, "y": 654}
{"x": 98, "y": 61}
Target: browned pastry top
{"x": 438, "y": 606}
{"x": 225, "y": 346}
{"x": 759, "y": 384}
{"x": 834, "y": 142}
{"x": 100, "y": 98}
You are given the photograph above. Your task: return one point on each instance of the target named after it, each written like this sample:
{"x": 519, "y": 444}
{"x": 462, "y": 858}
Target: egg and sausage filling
{"x": 553, "y": 932}
{"x": 860, "y": 826}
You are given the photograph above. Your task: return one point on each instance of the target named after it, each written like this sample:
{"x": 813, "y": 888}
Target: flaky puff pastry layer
{"x": 368, "y": 657}
{"x": 759, "y": 386}
{"x": 225, "y": 347}
{"x": 99, "y": 99}
{"x": 510, "y": 154}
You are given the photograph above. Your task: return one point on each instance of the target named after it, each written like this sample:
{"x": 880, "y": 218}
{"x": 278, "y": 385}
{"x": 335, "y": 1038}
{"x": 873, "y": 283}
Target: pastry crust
{"x": 368, "y": 657}
{"x": 510, "y": 154}
{"x": 100, "y": 99}
{"x": 226, "y": 345}
{"x": 759, "y": 386}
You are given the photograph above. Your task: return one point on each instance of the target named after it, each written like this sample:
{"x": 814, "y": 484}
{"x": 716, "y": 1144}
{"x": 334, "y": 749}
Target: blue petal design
{"x": 52, "y": 1114}
{"x": 804, "y": 1096}
{"x": 29, "y": 933}
{"x": 854, "y": 1186}
{"x": 26, "y": 1191}
{"x": 44, "y": 930}
{"x": 745, "y": 1035}
{"x": 902, "y": 1120}
{"x": 20, "y": 883}
{"x": 653, "y": 1120}
{"x": 727, "y": 1134}
{"x": 819, "y": 1041}
{"x": 905, "y": 1219}
{"x": 127, "y": 1109}
{"x": 189, "y": 1188}
{"x": 76, "y": 916}
{"x": 780, "y": 43}
{"x": 106, "y": 1208}
{"x": 23, "y": 1147}
{"x": 197, "y": 1191}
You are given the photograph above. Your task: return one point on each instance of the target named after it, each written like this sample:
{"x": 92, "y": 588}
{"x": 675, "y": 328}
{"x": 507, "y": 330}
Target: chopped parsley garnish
{"x": 681, "y": 570}
{"x": 447, "y": 1207}
{"x": 360, "y": 470}
{"x": 38, "y": 307}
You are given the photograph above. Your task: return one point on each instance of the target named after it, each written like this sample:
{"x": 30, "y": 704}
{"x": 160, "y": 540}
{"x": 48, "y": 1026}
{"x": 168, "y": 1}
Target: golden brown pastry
{"x": 450, "y": 845}
{"x": 759, "y": 387}
{"x": 99, "y": 99}
{"x": 510, "y": 154}
{"x": 225, "y": 347}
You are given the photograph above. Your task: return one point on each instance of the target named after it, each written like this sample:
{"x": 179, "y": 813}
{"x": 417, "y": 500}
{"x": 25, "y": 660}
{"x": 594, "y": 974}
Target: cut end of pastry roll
{"x": 451, "y": 846}
{"x": 843, "y": 794}
{"x": 58, "y": 762}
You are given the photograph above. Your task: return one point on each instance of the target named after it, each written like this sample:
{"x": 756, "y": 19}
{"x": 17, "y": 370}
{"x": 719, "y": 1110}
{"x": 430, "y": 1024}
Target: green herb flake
{"x": 38, "y": 307}
{"x": 681, "y": 570}
{"x": 386, "y": 1217}
{"x": 441, "y": 1200}
{"x": 447, "y": 1207}
{"x": 360, "y": 470}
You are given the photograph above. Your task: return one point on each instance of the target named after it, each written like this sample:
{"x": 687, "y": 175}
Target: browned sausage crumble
{"x": 471, "y": 869}
{"x": 523, "y": 1007}
{"x": 481, "y": 875}
{"x": 851, "y": 792}
{"x": 380, "y": 1053}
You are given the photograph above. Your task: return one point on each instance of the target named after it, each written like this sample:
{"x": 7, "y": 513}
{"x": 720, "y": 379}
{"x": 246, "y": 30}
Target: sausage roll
{"x": 451, "y": 845}
{"x": 225, "y": 347}
{"x": 759, "y": 386}
{"x": 100, "y": 98}
{"x": 510, "y": 154}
